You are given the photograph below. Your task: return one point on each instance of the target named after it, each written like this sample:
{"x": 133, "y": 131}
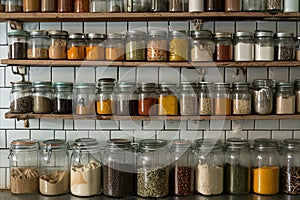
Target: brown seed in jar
{"x": 157, "y": 50}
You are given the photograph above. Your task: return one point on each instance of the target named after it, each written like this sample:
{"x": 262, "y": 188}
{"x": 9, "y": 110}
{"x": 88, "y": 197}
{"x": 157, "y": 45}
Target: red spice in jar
{"x": 223, "y": 53}
{"x": 81, "y": 6}
{"x": 148, "y": 106}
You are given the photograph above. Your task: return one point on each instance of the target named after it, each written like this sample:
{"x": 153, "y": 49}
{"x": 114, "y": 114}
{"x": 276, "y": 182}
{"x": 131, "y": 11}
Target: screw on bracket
{"x": 14, "y": 25}
{"x": 19, "y": 70}
{"x": 197, "y": 24}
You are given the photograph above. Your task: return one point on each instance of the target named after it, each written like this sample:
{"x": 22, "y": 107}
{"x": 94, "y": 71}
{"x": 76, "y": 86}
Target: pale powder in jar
{"x": 285, "y": 105}
{"x": 58, "y": 50}
{"x": 55, "y": 183}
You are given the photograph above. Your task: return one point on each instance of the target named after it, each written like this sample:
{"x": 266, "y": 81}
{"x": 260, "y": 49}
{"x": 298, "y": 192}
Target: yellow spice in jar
{"x": 178, "y": 49}
{"x": 167, "y": 105}
{"x": 94, "y": 53}
{"x": 266, "y": 180}
{"x": 104, "y": 107}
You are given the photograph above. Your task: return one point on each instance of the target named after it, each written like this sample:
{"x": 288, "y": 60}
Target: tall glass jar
{"x": 84, "y": 99}
{"x": 76, "y": 46}
{"x": 157, "y": 46}
{"x": 135, "y": 46}
{"x": 48, "y": 5}
{"x": 202, "y": 46}
{"x": 95, "y": 48}
{"x": 63, "y": 98}
{"x": 31, "y": 6}
{"x": 297, "y": 94}
{"x": 223, "y": 47}
{"x": 243, "y": 46}
{"x": 115, "y": 6}
{"x": 284, "y": 46}
{"x": 17, "y": 44}
{"x": 86, "y": 168}
{"x": 14, "y": 6}
{"x": 115, "y": 48}
{"x": 209, "y": 174}
{"x": 182, "y": 172}
{"x": 42, "y": 97}
{"x": 38, "y": 45}
{"x": 274, "y": 5}
{"x": 98, "y": 6}
{"x": 265, "y": 169}
{"x": 65, "y": 6}
{"x": 81, "y": 6}
{"x": 290, "y": 166}
{"x": 188, "y": 98}
{"x": 290, "y": 6}
{"x": 153, "y": 168}
{"x": 20, "y": 97}
{"x": 238, "y": 166}
{"x": 147, "y": 99}
{"x": 222, "y": 99}
{"x": 262, "y": 96}
{"x": 285, "y": 98}
{"x": 241, "y": 98}
{"x": 196, "y": 5}
{"x": 178, "y": 5}
{"x": 54, "y": 167}
{"x": 58, "y": 44}
{"x": 23, "y": 162}
{"x": 233, "y": 5}
{"x": 119, "y": 167}
{"x": 178, "y": 46}
{"x": 205, "y": 100}
{"x": 264, "y": 46}
{"x": 214, "y": 5}
{"x": 167, "y": 99}
{"x": 104, "y": 96}
{"x": 257, "y": 5}
{"x": 160, "y": 5}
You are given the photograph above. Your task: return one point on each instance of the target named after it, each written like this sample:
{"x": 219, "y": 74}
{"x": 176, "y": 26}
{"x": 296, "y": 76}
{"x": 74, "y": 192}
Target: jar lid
{"x": 265, "y": 143}
{"x": 76, "y": 36}
{"x": 147, "y": 85}
{"x": 284, "y": 84}
{"x": 92, "y": 36}
{"x": 263, "y": 83}
{"x": 221, "y": 85}
{"x": 86, "y": 144}
{"x": 188, "y": 84}
{"x": 243, "y": 34}
{"x": 205, "y": 84}
{"x": 38, "y": 33}
{"x": 84, "y": 85}
{"x": 119, "y": 143}
{"x": 284, "y": 34}
{"x": 40, "y": 84}
{"x": 180, "y": 32}
{"x": 126, "y": 85}
{"x": 115, "y": 35}
{"x": 152, "y": 144}
{"x": 167, "y": 85}
{"x": 141, "y": 33}
{"x": 297, "y": 82}
{"x": 291, "y": 143}
{"x": 236, "y": 143}
{"x": 62, "y": 85}
{"x": 106, "y": 80}
{"x": 17, "y": 33}
{"x": 261, "y": 33}
{"x": 54, "y": 144}
{"x": 205, "y": 34}
{"x": 58, "y": 32}
{"x": 24, "y": 144}
{"x": 21, "y": 84}
{"x": 208, "y": 143}
{"x": 181, "y": 144}
{"x": 223, "y": 35}
{"x": 156, "y": 32}
{"x": 240, "y": 84}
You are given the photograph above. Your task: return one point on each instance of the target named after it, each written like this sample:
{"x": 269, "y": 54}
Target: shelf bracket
{"x": 15, "y": 25}
{"x": 197, "y": 24}
{"x": 19, "y": 70}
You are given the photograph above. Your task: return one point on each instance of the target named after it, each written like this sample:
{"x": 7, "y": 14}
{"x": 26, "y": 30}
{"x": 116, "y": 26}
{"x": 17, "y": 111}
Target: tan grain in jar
{"x": 157, "y": 46}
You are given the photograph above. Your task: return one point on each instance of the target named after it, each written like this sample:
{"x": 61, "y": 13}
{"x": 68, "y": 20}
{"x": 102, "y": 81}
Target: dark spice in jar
{"x": 21, "y": 105}
{"x": 237, "y": 179}
{"x": 223, "y": 53}
{"x": 11, "y": 7}
{"x": 127, "y": 107}
{"x": 31, "y": 6}
{"x": 65, "y": 5}
{"x": 284, "y": 53}
{"x": 182, "y": 180}
{"x": 81, "y": 6}
{"x": 17, "y": 50}
{"x": 42, "y": 104}
{"x": 147, "y": 106}
{"x": 48, "y": 5}
{"x": 62, "y": 106}
{"x": 290, "y": 179}
{"x": 214, "y": 5}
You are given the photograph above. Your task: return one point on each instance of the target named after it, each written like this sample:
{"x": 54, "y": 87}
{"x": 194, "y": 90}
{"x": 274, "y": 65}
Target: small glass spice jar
{"x": 48, "y": 5}
{"x": 115, "y": 48}
{"x": 2, "y": 6}
{"x": 115, "y": 6}
{"x": 104, "y": 96}
{"x": 76, "y": 47}
{"x": 214, "y": 5}
{"x": 264, "y": 46}
{"x": 223, "y": 47}
{"x": 290, "y": 6}
{"x": 17, "y": 44}
{"x": 297, "y": 49}
{"x": 147, "y": 99}
{"x": 54, "y": 167}
{"x": 84, "y": 99}
{"x": 237, "y": 166}
{"x": 243, "y": 46}
{"x": 65, "y": 6}
{"x": 58, "y": 44}
{"x": 139, "y": 5}
{"x": 13, "y": 6}
{"x": 160, "y": 5}
{"x": 241, "y": 98}
{"x": 233, "y": 5}
{"x": 297, "y": 94}
{"x": 31, "y": 5}
{"x": 265, "y": 169}
{"x": 257, "y": 5}
{"x": 38, "y": 45}
{"x": 178, "y": 5}
{"x": 222, "y": 99}
{"x": 196, "y": 5}
{"x": 157, "y": 46}
{"x": 23, "y": 161}
{"x": 178, "y": 46}
{"x": 95, "y": 47}
{"x": 135, "y": 46}
{"x": 274, "y": 5}
{"x": 98, "y": 6}
{"x": 262, "y": 95}
{"x": 188, "y": 96}
{"x": 63, "y": 98}
{"x": 20, "y": 97}
{"x": 284, "y": 46}
{"x": 205, "y": 100}
{"x": 86, "y": 163}
{"x": 42, "y": 97}
{"x": 285, "y": 98}
{"x": 167, "y": 99}
{"x": 81, "y": 6}
{"x": 202, "y": 46}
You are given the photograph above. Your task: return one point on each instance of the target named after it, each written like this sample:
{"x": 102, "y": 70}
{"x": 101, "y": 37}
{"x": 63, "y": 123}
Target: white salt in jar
{"x": 264, "y": 46}
{"x": 243, "y": 46}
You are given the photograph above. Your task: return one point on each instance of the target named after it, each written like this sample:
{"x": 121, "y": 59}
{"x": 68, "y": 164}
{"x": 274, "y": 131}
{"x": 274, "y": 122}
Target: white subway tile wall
{"x": 11, "y": 129}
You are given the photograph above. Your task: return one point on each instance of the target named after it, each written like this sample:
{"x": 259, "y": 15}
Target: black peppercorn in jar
{"x": 17, "y": 44}
{"x": 284, "y": 46}
{"x": 20, "y": 97}
{"x": 63, "y": 98}
{"x": 42, "y": 97}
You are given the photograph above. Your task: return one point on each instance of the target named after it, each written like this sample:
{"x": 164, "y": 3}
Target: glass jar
{"x": 31, "y": 6}
{"x": 205, "y": 100}
{"x": 274, "y": 5}
{"x": 241, "y": 99}
{"x": 84, "y": 99}
{"x": 160, "y": 5}
{"x": 139, "y": 5}
{"x": 86, "y": 168}
{"x": 76, "y": 47}
{"x": 214, "y": 5}
{"x": 95, "y": 48}
{"x": 262, "y": 96}
{"x": 98, "y": 6}
{"x": 42, "y": 97}
{"x": 178, "y": 5}
{"x": 104, "y": 96}
{"x": 202, "y": 46}
{"x": 209, "y": 170}
{"x": 237, "y": 166}
{"x": 135, "y": 46}
{"x": 14, "y": 6}
{"x": 54, "y": 167}
{"x": 63, "y": 98}
{"x": 182, "y": 172}
{"x": 178, "y": 46}
{"x": 233, "y": 5}
{"x": 115, "y": 48}
{"x": 81, "y": 6}
{"x": 188, "y": 98}
{"x": 284, "y": 46}
{"x": 115, "y": 6}
{"x": 265, "y": 169}
{"x": 167, "y": 99}
{"x": 17, "y": 44}
{"x": 153, "y": 168}
{"x": 2, "y": 6}
{"x": 290, "y": 165}
{"x": 264, "y": 46}
{"x": 23, "y": 162}
{"x": 285, "y": 98}
{"x": 196, "y": 5}
{"x": 222, "y": 99}
{"x": 58, "y": 44}
{"x": 48, "y": 5}
{"x": 157, "y": 46}
{"x": 243, "y": 46}
{"x": 119, "y": 167}
{"x": 290, "y": 6}
{"x": 297, "y": 94}
{"x": 147, "y": 99}
{"x": 20, "y": 97}
{"x": 223, "y": 47}
{"x": 64, "y": 6}
{"x": 38, "y": 45}
{"x": 257, "y": 5}
{"x": 297, "y": 49}
{"x": 126, "y": 99}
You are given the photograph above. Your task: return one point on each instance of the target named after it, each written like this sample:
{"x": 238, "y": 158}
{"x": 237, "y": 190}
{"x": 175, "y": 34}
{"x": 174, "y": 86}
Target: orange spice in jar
{"x": 95, "y": 49}
{"x": 81, "y": 6}
{"x": 76, "y": 47}
{"x": 115, "y": 47}
{"x": 222, "y": 99}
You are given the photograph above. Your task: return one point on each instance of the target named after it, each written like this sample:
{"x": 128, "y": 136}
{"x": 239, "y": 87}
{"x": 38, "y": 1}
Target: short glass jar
{"x": 84, "y": 99}
{"x": 222, "y": 99}
{"x": 31, "y": 6}
{"x": 233, "y": 5}
{"x": 81, "y": 6}
{"x": 42, "y": 97}
{"x": 178, "y": 46}
{"x": 95, "y": 47}
{"x": 188, "y": 98}
{"x": 13, "y": 6}
{"x": 196, "y": 5}
{"x": 160, "y": 6}
{"x": 223, "y": 47}
{"x": 38, "y": 45}
{"x": 178, "y": 5}
{"x": 205, "y": 100}
{"x": 17, "y": 44}
{"x": 202, "y": 46}
{"x": 284, "y": 46}
{"x": 23, "y": 162}
{"x": 264, "y": 46}
{"x": 135, "y": 46}
{"x": 214, "y": 5}
{"x": 115, "y": 48}
{"x": 262, "y": 96}
{"x": 167, "y": 99}
{"x": 274, "y": 5}
{"x": 157, "y": 46}
{"x": 98, "y": 6}
{"x": 140, "y": 5}
{"x": 257, "y": 5}
{"x": 63, "y": 98}
{"x": 48, "y": 5}
{"x": 54, "y": 167}
{"x": 147, "y": 99}
{"x": 20, "y": 97}
{"x": 297, "y": 94}
{"x": 241, "y": 98}
{"x": 243, "y": 46}
{"x": 290, "y": 6}
{"x": 104, "y": 96}
{"x": 76, "y": 46}
{"x": 285, "y": 98}
{"x": 115, "y": 6}
{"x": 58, "y": 44}
{"x": 65, "y": 6}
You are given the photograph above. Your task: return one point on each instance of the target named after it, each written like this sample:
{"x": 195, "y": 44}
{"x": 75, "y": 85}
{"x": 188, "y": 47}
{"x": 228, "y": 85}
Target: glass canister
{"x": 58, "y": 44}
{"x": 178, "y": 46}
{"x": 38, "y": 45}
{"x": 214, "y": 5}
{"x": 147, "y": 99}
{"x": 95, "y": 48}
{"x": 196, "y": 5}
{"x": 115, "y": 6}
{"x": 265, "y": 169}
{"x": 76, "y": 46}
{"x": 54, "y": 167}
{"x": 119, "y": 169}
{"x": 140, "y": 5}
{"x": 290, "y": 6}
{"x": 257, "y": 5}
{"x": 84, "y": 99}
{"x": 167, "y": 99}
{"x": 297, "y": 94}
{"x": 274, "y": 5}
{"x": 188, "y": 98}
{"x": 63, "y": 98}
{"x": 262, "y": 96}
{"x": 223, "y": 47}
{"x": 284, "y": 46}
{"x": 85, "y": 178}
{"x": 104, "y": 96}
{"x": 285, "y": 98}
{"x": 135, "y": 46}
{"x": 202, "y": 46}
{"x": 48, "y": 5}
{"x": 222, "y": 99}
{"x": 160, "y": 5}
{"x": 42, "y": 97}
{"x": 17, "y": 44}
{"x": 126, "y": 99}
{"x": 237, "y": 166}
{"x": 243, "y": 46}
{"x": 290, "y": 166}
{"x": 233, "y": 5}
{"x": 264, "y": 46}
{"x": 98, "y": 6}
{"x": 241, "y": 98}
{"x": 20, "y": 97}
{"x": 209, "y": 173}
{"x": 178, "y": 5}
{"x": 157, "y": 46}
{"x": 182, "y": 171}
{"x": 23, "y": 162}
{"x": 13, "y": 5}
{"x": 115, "y": 47}
{"x": 65, "y": 6}
{"x": 31, "y": 5}
{"x": 205, "y": 100}
{"x": 81, "y": 6}
{"x": 153, "y": 171}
